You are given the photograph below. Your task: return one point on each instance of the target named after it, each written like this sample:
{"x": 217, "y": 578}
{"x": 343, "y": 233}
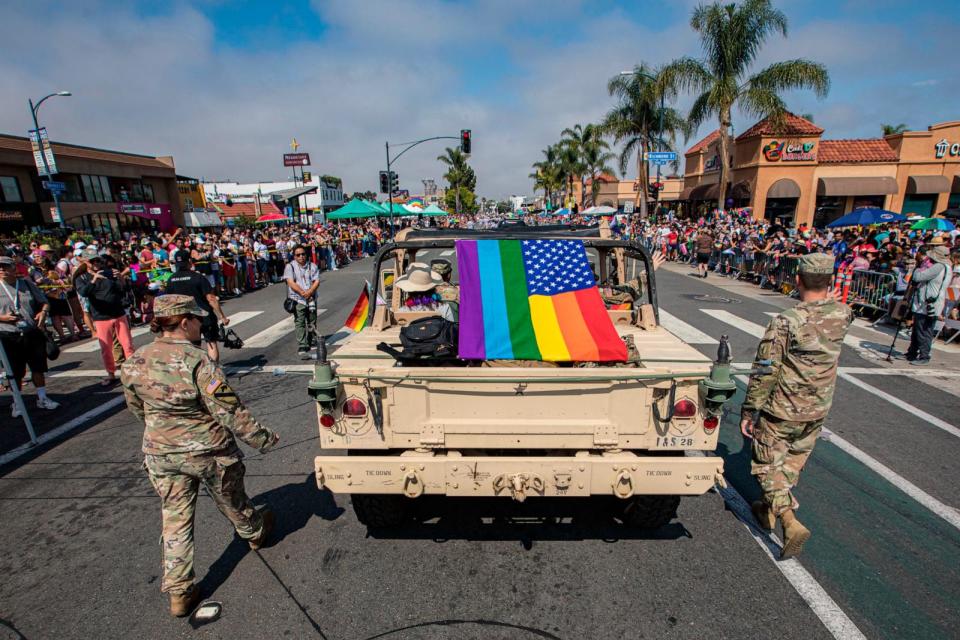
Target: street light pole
{"x": 46, "y": 168}
{"x": 659, "y": 124}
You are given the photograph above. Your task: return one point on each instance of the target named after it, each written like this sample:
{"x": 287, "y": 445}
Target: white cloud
{"x": 392, "y": 69}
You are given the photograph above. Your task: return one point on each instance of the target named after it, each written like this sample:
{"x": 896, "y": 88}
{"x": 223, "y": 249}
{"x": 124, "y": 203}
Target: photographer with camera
{"x": 23, "y": 312}
{"x": 103, "y": 288}
{"x": 185, "y": 281}
{"x": 303, "y": 279}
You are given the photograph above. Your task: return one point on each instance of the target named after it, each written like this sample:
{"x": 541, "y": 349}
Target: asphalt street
{"x": 81, "y": 559}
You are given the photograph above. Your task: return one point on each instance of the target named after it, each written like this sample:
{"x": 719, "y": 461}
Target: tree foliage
{"x": 461, "y": 180}
{"x": 893, "y": 129}
{"x": 731, "y": 36}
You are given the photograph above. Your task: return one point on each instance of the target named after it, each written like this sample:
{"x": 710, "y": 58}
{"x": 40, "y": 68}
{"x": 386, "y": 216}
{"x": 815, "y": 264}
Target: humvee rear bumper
{"x": 621, "y": 474}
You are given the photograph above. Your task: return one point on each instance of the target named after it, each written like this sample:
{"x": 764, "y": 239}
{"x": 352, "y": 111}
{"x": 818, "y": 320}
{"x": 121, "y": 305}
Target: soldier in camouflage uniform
{"x": 448, "y": 292}
{"x": 785, "y": 408}
{"x": 192, "y": 418}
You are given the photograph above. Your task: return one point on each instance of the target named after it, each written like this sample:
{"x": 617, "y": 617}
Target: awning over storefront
{"x": 202, "y": 219}
{"x": 741, "y": 190}
{"x": 705, "y": 192}
{"x": 784, "y": 188}
{"x": 685, "y": 194}
{"x": 292, "y": 194}
{"x": 928, "y": 184}
{"x": 873, "y": 186}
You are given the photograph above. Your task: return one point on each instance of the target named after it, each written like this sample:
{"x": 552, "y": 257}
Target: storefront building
{"x": 796, "y": 176}
{"x": 107, "y": 192}
{"x": 618, "y": 193}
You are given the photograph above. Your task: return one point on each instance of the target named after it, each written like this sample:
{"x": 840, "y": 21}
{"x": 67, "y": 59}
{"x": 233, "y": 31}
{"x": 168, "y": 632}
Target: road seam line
{"x": 909, "y": 408}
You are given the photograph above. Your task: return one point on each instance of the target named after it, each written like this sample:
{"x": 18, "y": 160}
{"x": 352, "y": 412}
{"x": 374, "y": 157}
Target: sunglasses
{"x": 297, "y": 255}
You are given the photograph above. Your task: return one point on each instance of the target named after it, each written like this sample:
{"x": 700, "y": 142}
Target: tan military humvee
{"x": 395, "y": 431}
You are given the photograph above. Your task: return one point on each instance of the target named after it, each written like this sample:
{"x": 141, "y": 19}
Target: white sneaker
{"x": 47, "y": 403}
{"x": 15, "y": 412}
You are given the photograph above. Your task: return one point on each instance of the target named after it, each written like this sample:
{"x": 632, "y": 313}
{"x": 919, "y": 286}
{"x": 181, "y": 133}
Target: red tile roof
{"x": 869, "y": 150}
{"x": 793, "y": 125}
{"x": 245, "y": 209}
{"x": 703, "y": 144}
{"x": 603, "y": 177}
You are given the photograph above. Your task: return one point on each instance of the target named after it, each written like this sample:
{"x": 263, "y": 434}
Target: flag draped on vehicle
{"x": 532, "y": 300}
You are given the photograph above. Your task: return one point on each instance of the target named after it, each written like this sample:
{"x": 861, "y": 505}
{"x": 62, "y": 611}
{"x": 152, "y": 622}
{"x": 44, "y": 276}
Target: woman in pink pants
{"x": 102, "y": 287}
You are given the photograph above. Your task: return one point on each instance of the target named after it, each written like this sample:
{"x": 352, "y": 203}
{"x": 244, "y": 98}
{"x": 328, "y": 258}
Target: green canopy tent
{"x": 434, "y": 210}
{"x": 354, "y": 209}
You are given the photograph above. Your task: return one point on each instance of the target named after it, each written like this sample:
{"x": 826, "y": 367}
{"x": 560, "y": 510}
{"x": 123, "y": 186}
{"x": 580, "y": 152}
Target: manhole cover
{"x": 715, "y": 299}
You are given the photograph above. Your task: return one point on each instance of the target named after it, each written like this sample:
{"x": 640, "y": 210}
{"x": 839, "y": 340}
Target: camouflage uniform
{"x": 191, "y": 416}
{"x": 803, "y": 345}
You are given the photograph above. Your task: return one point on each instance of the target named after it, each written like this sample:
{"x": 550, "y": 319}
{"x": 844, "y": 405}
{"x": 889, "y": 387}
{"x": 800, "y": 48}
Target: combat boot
{"x": 764, "y": 515}
{"x": 794, "y": 535}
{"x": 265, "y": 529}
{"x": 181, "y": 604}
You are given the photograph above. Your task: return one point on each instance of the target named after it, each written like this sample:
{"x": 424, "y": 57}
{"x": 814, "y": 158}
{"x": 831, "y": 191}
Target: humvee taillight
{"x": 354, "y": 408}
{"x": 711, "y": 423}
{"x": 326, "y": 421}
{"x": 684, "y": 409}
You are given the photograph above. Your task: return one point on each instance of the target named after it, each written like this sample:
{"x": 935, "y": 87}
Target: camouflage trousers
{"x": 780, "y": 449}
{"x": 177, "y": 479}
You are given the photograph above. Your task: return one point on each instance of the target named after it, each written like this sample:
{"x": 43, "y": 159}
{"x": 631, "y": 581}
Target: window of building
{"x": 96, "y": 188}
{"x": 10, "y": 189}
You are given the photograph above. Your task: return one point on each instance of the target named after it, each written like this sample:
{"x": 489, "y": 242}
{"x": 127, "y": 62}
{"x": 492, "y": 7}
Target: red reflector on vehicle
{"x": 684, "y": 409}
{"x": 326, "y": 420}
{"x": 711, "y": 423}
{"x": 354, "y": 407}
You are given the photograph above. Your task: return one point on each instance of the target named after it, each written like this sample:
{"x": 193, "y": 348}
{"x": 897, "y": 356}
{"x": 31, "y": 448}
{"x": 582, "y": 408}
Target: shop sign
{"x": 11, "y": 216}
{"x": 774, "y": 151}
{"x": 39, "y": 140}
{"x": 131, "y": 208}
{"x": 943, "y": 146}
{"x": 296, "y": 159}
{"x": 712, "y": 164}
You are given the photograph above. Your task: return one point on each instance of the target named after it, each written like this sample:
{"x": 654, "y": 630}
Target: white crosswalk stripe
{"x": 271, "y": 334}
{"x": 686, "y": 332}
{"x": 93, "y": 346}
{"x": 448, "y": 252}
{"x": 744, "y": 325}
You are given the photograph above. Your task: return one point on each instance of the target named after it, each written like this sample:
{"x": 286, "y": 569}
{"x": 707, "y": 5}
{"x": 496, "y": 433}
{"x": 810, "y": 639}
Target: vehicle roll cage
{"x": 631, "y": 249}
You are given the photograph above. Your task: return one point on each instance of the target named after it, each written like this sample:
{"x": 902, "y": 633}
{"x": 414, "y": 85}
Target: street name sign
{"x": 661, "y": 157}
{"x": 53, "y": 186}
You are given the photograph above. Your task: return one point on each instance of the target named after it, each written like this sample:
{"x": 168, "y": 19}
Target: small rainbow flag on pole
{"x": 357, "y": 319}
{"x": 532, "y": 300}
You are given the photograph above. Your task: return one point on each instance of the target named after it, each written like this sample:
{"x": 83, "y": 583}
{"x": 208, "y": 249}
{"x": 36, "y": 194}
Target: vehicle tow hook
{"x": 623, "y": 485}
{"x": 518, "y": 484}
{"x": 412, "y": 484}
{"x": 719, "y": 480}
{"x": 320, "y": 480}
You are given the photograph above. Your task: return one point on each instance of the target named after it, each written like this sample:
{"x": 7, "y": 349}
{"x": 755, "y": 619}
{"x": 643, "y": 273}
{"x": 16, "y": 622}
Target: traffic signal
{"x": 654, "y": 189}
{"x": 384, "y": 182}
{"x": 465, "y": 141}
{"x": 394, "y": 182}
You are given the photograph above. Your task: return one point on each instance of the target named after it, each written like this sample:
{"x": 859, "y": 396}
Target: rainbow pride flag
{"x": 357, "y": 319}
{"x": 532, "y": 300}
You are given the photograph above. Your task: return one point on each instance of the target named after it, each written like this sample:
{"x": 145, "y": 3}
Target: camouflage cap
{"x": 441, "y": 266}
{"x": 175, "y": 305}
{"x": 816, "y": 263}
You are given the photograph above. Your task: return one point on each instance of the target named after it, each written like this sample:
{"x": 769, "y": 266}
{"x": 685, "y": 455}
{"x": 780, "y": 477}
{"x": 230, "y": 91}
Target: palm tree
{"x": 459, "y": 174}
{"x": 587, "y": 141}
{"x": 547, "y": 173}
{"x": 893, "y": 129}
{"x": 641, "y": 121}
{"x": 731, "y": 36}
{"x": 569, "y": 159}
{"x": 596, "y": 158}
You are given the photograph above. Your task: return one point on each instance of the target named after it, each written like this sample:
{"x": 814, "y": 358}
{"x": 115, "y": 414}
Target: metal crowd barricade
{"x": 783, "y": 276}
{"x": 871, "y": 290}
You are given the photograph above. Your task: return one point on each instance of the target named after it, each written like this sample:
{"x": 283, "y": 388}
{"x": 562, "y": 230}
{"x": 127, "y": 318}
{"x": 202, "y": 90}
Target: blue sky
{"x": 223, "y": 86}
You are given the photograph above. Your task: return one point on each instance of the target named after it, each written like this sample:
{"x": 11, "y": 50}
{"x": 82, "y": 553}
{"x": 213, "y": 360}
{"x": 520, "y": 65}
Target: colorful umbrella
{"x": 933, "y": 224}
{"x": 865, "y": 216}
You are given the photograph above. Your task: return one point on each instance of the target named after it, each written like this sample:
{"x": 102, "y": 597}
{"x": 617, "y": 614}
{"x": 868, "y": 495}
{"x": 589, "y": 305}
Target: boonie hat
{"x": 175, "y": 304}
{"x": 7, "y": 260}
{"x": 816, "y": 263}
{"x": 441, "y": 266}
{"x": 935, "y": 241}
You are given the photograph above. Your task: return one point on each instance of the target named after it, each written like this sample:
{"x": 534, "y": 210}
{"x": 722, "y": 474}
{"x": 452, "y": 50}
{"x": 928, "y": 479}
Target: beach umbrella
{"x": 273, "y": 217}
{"x": 602, "y": 210}
{"x": 953, "y": 214}
{"x": 866, "y": 216}
{"x": 562, "y": 212}
{"x": 933, "y": 224}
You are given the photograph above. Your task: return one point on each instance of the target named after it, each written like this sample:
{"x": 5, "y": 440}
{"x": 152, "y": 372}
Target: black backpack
{"x": 428, "y": 339}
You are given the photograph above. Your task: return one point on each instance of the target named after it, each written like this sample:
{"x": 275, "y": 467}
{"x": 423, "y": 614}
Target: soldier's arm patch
{"x": 212, "y": 384}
